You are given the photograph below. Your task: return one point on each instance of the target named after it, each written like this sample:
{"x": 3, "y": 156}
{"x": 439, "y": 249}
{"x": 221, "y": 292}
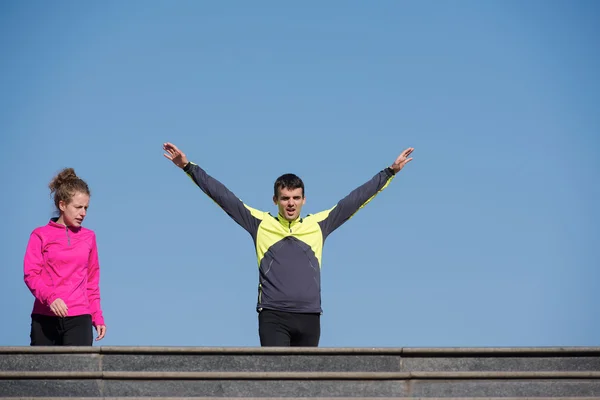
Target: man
{"x": 288, "y": 247}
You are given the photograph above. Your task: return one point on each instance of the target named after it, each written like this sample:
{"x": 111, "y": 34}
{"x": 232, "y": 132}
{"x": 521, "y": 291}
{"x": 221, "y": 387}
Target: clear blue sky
{"x": 490, "y": 237}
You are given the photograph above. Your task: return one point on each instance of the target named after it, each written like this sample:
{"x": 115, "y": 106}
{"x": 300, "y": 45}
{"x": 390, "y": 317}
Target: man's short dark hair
{"x": 288, "y": 181}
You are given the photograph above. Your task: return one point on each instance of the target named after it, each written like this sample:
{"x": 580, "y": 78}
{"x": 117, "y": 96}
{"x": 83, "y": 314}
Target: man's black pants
{"x": 278, "y": 328}
{"x": 57, "y": 331}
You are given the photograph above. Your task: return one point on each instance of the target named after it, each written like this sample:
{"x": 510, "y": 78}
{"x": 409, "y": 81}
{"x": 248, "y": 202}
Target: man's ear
{"x": 275, "y": 200}
{"x": 303, "y": 200}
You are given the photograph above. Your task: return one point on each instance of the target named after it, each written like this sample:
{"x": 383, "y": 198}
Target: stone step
{"x": 148, "y": 375}
{"x": 161, "y": 373}
{"x": 159, "y": 388}
{"x": 321, "y": 360}
{"x": 313, "y": 398}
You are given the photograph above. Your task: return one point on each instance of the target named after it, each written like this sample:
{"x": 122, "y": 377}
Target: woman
{"x": 62, "y": 271}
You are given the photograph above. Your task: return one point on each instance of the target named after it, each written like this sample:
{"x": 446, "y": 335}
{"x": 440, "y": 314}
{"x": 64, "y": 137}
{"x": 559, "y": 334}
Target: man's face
{"x": 290, "y": 202}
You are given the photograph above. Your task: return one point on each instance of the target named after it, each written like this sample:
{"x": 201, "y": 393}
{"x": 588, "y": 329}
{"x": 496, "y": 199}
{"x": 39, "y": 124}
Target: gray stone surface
{"x": 256, "y": 388}
{"x": 50, "y": 388}
{"x": 500, "y": 364}
{"x": 251, "y": 363}
{"x": 487, "y": 372}
{"x": 505, "y": 388}
{"x": 49, "y": 349}
{"x": 501, "y": 351}
{"x": 50, "y": 362}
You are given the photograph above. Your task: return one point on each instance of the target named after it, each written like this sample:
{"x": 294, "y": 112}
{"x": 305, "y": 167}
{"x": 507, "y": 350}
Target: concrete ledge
{"x": 121, "y": 373}
{"x": 157, "y": 389}
{"x": 316, "y": 376}
{"x": 405, "y": 351}
{"x": 49, "y": 350}
{"x": 314, "y": 398}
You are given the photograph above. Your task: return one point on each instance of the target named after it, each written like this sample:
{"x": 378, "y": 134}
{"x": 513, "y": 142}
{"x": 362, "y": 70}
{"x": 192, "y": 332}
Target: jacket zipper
{"x": 67, "y": 233}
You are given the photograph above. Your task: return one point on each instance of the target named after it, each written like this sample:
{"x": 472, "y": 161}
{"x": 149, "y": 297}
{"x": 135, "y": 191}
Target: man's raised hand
{"x": 175, "y": 155}
{"x": 402, "y": 160}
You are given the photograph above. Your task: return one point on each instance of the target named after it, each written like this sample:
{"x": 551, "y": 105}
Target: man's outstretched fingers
{"x": 172, "y": 147}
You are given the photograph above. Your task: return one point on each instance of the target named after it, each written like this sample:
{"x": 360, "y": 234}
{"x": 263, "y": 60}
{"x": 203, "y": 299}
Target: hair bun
{"x": 67, "y": 174}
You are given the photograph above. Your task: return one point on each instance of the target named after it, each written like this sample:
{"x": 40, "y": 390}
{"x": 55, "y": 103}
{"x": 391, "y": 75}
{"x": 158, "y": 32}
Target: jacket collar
{"x": 54, "y": 224}
{"x": 288, "y": 224}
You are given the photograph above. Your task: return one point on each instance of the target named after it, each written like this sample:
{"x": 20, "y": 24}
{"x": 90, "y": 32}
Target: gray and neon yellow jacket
{"x": 289, "y": 253}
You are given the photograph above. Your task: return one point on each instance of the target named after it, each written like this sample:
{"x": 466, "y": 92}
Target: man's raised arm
{"x": 332, "y": 219}
{"x": 245, "y": 216}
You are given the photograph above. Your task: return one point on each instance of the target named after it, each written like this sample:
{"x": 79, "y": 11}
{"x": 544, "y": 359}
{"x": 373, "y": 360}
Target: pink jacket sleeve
{"x": 93, "y": 288}
{"x": 33, "y": 267}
